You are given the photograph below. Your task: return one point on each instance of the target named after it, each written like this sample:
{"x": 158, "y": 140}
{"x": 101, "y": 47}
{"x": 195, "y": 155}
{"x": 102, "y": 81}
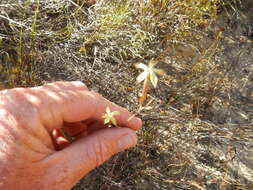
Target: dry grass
{"x": 200, "y": 116}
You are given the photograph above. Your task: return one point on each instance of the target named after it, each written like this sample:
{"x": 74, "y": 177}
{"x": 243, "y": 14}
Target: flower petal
{"x": 108, "y": 111}
{"x": 153, "y": 79}
{"x": 141, "y": 66}
{"x": 115, "y": 113}
{"x": 113, "y": 120}
{"x": 152, "y": 63}
{"x": 142, "y": 76}
{"x": 106, "y": 121}
{"x": 159, "y": 71}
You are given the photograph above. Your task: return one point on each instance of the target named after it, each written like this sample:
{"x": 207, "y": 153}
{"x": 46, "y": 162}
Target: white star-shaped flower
{"x": 109, "y": 116}
{"x": 149, "y": 71}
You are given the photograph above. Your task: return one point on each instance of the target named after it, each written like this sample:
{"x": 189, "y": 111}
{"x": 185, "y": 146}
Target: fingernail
{"x": 138, "y": 123}
{"x": 139, "y": 120}
{"x": 127, "y": 141}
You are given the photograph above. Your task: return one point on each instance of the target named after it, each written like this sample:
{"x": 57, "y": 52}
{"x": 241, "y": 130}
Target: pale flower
{"x": 109, "y": 116}
{"x": 149, "y": 71}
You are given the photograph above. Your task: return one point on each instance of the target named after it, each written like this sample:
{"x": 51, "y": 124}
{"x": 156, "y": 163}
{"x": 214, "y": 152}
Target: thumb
{"x": 73, "y": 162}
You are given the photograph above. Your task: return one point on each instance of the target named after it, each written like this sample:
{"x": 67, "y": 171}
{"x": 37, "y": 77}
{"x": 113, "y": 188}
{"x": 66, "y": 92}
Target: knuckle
{"x": 53, "y": 85}
{"x": 100, "y": 151}
{"x": 124, "y": 110}
{"x": 95, "y": 94}
{"x": 79, "y": 84}
{"x": 18, "y": 102}
{"x": 97, "y": 98}
{"x": 63, "y": 85}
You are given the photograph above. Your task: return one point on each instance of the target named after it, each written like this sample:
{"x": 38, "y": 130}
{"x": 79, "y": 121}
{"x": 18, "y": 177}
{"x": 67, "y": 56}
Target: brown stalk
{"x": 144, "y": 90}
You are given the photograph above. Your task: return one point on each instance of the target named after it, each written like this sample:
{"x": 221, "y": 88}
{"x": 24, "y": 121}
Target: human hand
{"x": 34, "y": 154}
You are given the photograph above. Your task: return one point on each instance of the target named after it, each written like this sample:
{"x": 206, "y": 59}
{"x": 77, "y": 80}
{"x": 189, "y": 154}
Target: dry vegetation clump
{"x": 108, "y": 30}
{"x": 197, "y": 131}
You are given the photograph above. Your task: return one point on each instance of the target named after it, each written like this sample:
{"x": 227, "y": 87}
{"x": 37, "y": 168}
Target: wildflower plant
{"x": 149, "y": 75}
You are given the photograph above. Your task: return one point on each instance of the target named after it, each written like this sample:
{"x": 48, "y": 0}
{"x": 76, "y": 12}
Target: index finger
{"x": 91, "y": 105}
{"x": 74, "y": 104}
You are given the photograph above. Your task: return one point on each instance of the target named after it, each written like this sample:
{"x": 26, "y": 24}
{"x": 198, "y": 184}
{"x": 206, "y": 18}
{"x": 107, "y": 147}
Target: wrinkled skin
{"x": 35, "y": 154}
